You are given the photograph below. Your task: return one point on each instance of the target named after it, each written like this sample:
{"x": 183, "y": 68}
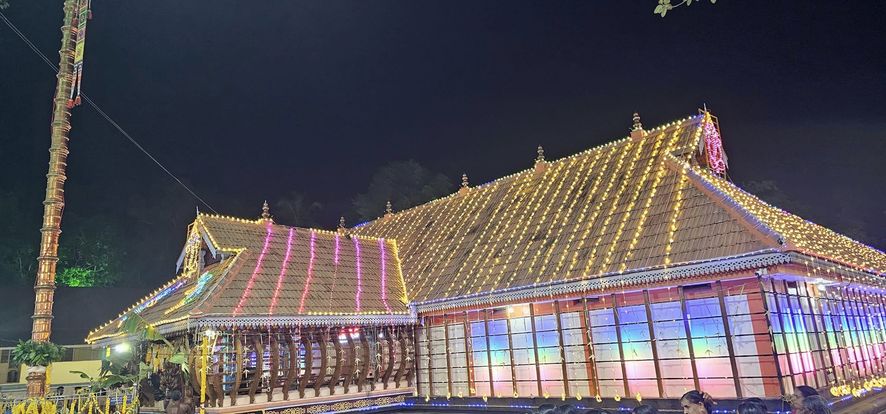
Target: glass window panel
{"x": 745, "y": 324}
{"x": 456, "y": 344}
{"x": 480, "y": 358}
{"x": 640, "y": 369}
{"x": 570, "y": 320}
{"x": 504, "y": 389}
{"x": 601, "y": 317}
{"x": 637, "y": 350}
{"x": 675, "y": 388}
{"x": 647, "y": 388}
{"x": 669, "y": 329}
{"x": 478, "y": 344}
{"x": 632, "y": 314}
{"x": 636, "y": 332}
{"x": 573, "y": 337}
{"x": 607, "y": 352}
{"x": 703, "y": 308}
{"x": 706, "y": 327}
{"x": 609, "y": 370}
{"x": 482, "y": 388}
{"x": 481, "y": 374}
{"x": 522, "y": 340}
{"x": 577, "y": 371}
{"x": 478, "y": 329}
{"x": 498, "y": 327}
{"x": 582, "y": 388}
{"x": 500, "y": 358}
{"x": 713, "y": 367}
{"x": 666, "y": 311}
{"x": 456, "y": 331}
{"x": 575, "y": 353}
{"x": 611, "y": 388}
{"x": 549, "y": 338}
{"x": 521, "y": 325}
{"x": 553, "y": 388}
{"x": 548, "y": 355}
{"x": 718, "y": 387}
{"x": 737, "y": 305}
{"x": 710, "y": 347}
{"x": 551, "y": 371}
{"x": 524, "y": 356}
{"x": 675, "y": 368}
{"x": 459, "y": 374}
{"x": 751, "y": 344}
{"x": 527, "y": 388}
{"x": 498, "y": 342}
{"x": 501, "y": 373}
{"x": 545, "y": 323}
{"x": 673, "y": 348}
{"x": 457, "y": 359}
{"x": 525, "y": 372}
{"x": 604, "y": 334}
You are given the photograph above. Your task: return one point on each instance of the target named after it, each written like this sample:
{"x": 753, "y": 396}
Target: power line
{"x": 103, "y": 114}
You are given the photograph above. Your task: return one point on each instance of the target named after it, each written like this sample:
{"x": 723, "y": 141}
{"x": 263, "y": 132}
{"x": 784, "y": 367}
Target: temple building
{"x": 633, "y": 270}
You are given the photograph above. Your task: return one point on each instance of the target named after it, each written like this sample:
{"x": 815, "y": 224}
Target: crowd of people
{"x": 805, "y": 400}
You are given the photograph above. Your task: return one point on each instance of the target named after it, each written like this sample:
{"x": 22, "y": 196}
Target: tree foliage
{"x": 294, "y": 210}
{"x": 92, "y": 256}
{"x": 36, "y": 354}
{"x": 664, "y": 6}
{"x": 405, "y": 184}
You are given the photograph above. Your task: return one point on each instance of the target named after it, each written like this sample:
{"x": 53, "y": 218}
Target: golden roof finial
{"x": 465, "y": 186}
{"x": 388, "y": 208}
{"x": 637, "y": 129}
{"x": 341, "y": 224}
{"x": 637, "y": 124}
{"x": 265, "y": 211}
{"x": 540, "y": 164}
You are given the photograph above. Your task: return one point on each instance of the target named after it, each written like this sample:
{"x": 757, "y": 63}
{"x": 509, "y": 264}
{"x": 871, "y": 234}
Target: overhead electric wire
{"x": 103, "y": 114}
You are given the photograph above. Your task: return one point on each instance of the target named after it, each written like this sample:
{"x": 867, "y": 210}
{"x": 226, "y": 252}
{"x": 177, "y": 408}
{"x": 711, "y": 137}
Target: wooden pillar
{"x": 350, "y": 362}
{"x": 238, "y": 374}
{"x": 389, "y": 367}
{"x": 730, "y": 347}
{"x": 771, "y": 334}
{"x": 322, "y": 339}
{"x": 688, "y": 329}
{"x": 654, "y": 344}
{"x": 535, "y": 350}
{"x": 469, "y": 356}
{"x": 306, "y": 341}
{"x": 402, "y": 340}
{"x": 336, "y": 375}
{"x": 292, "y": 366}
{"x": 259, "y": 363}
{"x": 562, "y": 349}
{"x": 621, "y": 350}
{"x": 367, "y": 361}
{"x": 275, "y": 364}
{"x": 411, "y": 356}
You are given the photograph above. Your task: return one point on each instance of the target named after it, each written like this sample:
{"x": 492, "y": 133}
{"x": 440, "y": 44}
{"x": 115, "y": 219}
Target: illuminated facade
{"x": 631, "y": 270}
{"x": 634, "y": 269}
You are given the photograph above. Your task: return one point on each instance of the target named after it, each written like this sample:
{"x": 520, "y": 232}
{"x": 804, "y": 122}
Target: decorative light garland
{"x": 284, "y": 268}
{"x": 310, "y": 277}
{"x": 261, "y": 258}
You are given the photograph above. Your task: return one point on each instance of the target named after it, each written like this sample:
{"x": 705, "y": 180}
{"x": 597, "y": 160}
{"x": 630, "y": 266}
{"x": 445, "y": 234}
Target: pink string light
{"x": 337, "y": 238}
{"x": 304, "y": 294}
{"x": 282, "y": 272}
{"x": 359, "y": 272}
{"x": 384, "y": 274}
{"x": 261, "y": 258}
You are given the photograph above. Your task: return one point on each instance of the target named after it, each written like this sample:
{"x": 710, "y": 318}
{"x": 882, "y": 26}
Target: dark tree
{"x": 294, "y": 210}
{"x": 405, "y": 184}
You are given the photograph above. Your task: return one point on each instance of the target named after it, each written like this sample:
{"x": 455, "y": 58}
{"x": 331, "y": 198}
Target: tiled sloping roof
{"x": 612, "y": 208}
{"x": 798, "y": 234}
{"x": 323, "y": 274}
{"x": 622, "y": 206}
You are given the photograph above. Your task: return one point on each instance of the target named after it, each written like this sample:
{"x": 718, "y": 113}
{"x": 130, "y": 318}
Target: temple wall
{"x": 657, "y": 342}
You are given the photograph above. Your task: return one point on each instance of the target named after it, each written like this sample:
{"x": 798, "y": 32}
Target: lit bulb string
{"x": 484, "y": 236}
{"x": 591, "y": 223}
{"x": 437, "y": 232}
{"x": 310, "y": 277}
{"x": 359, "y": 268}
{"x": 611, "y": 211}
{"x": 659, "y": 175}
{"x": 638, "y": 188}
{"x": 255, "y": 272}
{"x": 411, "y": 227}
{"x": 498, "y": 230}
{"x": 804, "y": 234}
{"x": 471, "y": 216}
{"x": 283, "y": 268}
{"x": 525, "y": 216}
{"x": 335, "y": 261}
{"x": 555, "y": 195}
{"x": 103, "y": 114}
{"x": 592, "y": 193}
{"x": 557, "y": 226}
{"x": 384, "y": 274}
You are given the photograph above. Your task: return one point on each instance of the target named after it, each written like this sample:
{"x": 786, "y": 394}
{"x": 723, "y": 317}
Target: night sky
{"x": 249, "y": 101}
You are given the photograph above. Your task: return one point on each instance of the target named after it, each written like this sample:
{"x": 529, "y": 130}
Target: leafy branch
{"x": 664, "y": 6}
{"x": 36, "y": 354}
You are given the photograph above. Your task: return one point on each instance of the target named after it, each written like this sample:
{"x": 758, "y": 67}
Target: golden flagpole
{"x": 54, "y": 203}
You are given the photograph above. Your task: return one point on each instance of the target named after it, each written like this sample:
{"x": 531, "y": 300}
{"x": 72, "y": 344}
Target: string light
{"x": 283, "y": 269}
{"x": 384, "y": 274}
{"x": 359, "y": 267}
{"x": 304, "y": 294}
{"x": 255, "y": 272}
